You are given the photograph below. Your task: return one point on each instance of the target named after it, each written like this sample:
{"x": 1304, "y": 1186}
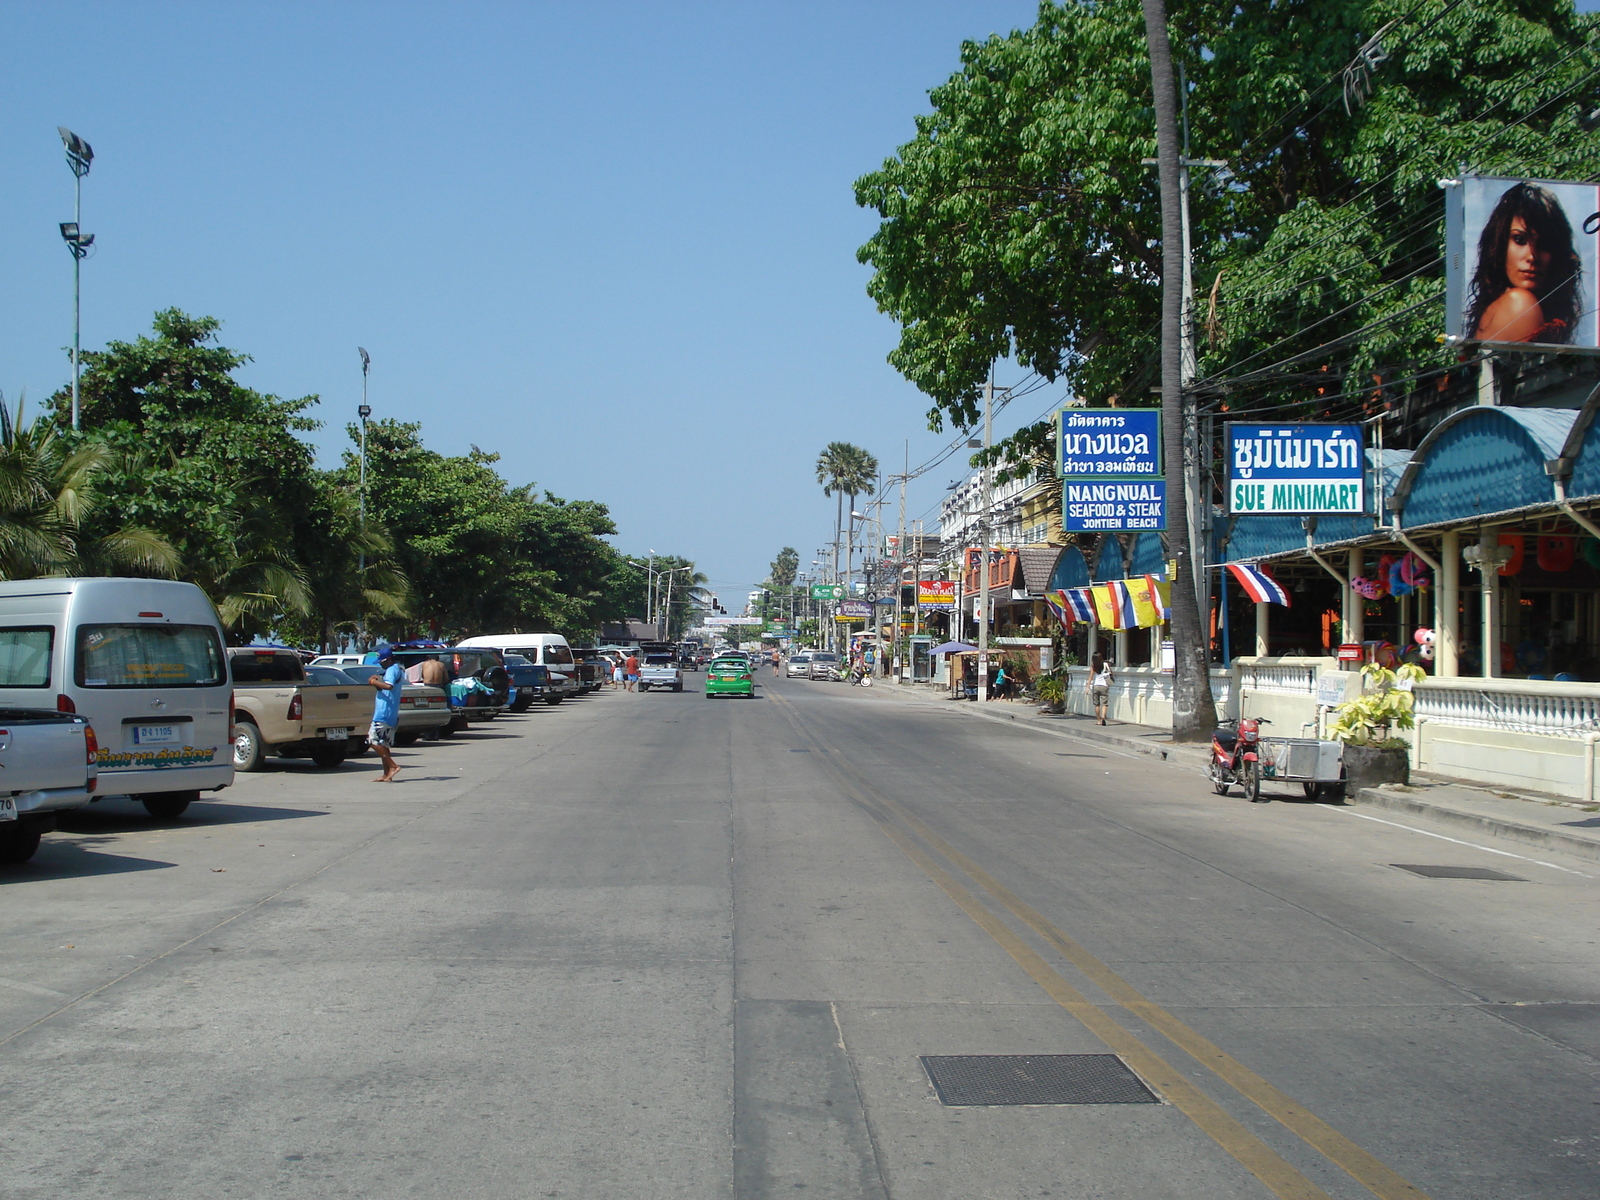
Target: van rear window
{"x": 149, "y": 656}
{"x": 557, "y": 656}
{"x": 25, "y": 656}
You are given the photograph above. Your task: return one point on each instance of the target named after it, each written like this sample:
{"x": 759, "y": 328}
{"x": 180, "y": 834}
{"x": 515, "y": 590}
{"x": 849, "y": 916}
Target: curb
{"x": 1179, "y": 755}
{"x": 1504, "y": 827}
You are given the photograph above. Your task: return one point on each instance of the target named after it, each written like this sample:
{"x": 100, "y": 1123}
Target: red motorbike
{"x": 1236, "y": 757}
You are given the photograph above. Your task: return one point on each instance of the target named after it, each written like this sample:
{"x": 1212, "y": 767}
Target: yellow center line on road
{"x": 1366, "y": 1169}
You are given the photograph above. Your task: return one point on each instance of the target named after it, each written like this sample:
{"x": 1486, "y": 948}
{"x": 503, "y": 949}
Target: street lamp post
{"x": 364, "y": 411}
{"x": 79, "y": 156}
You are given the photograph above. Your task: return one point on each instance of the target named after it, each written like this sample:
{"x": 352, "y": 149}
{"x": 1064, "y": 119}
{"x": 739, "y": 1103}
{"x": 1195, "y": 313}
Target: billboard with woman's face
{"x": 1523, "y": 262}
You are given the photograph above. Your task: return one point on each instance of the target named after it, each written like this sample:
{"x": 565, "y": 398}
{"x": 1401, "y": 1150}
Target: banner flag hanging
{"x": 1081, "y": 604}
{"x": 1160, "y": 596}
{"x": 1059, "y": 606}
{"x": 1258, "y": 585}
{"x": 1146, "y": 605}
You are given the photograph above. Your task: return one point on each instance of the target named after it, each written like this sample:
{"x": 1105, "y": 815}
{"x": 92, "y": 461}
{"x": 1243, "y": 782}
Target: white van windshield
{"x": 25, "y": 656}
{"x": 149, "y": 656}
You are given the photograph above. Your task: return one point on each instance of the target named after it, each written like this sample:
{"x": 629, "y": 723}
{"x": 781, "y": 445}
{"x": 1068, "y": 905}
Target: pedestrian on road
{"x": 1000, "y": 684}
{"x": 1099, "y": 686}
{"x": 630, "y": 672}
{"x": 386, "y": 711}
{"x": 616, "y": 673}
{"x": 775, "y": 662}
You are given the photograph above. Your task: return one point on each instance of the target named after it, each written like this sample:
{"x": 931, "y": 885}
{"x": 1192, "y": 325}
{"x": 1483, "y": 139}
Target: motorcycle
{"x": 1236, "y": 757}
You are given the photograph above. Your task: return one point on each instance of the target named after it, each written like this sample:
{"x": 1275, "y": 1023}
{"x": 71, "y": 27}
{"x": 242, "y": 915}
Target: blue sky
{"x": 615, "y": 244}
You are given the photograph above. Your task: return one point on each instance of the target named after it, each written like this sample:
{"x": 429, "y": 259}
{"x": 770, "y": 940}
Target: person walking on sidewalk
{"x": 630, "y": 672}
{"x": 386, "y": 711}
{"x": 1099, "y": 686}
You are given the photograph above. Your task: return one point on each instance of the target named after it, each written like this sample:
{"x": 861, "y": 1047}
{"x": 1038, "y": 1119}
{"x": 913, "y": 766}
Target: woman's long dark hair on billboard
{"x": 1557, "y": 293}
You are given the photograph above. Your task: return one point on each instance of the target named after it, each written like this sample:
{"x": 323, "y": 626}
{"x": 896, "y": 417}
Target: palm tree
{"x": 844, "y": 470}
{"x": 47, "y": 494}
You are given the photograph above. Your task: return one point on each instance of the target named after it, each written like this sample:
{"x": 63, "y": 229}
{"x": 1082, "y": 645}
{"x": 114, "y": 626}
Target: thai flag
{"x": 1081, "y": 603}
{"x": 1258, "y": 585}
{"x": 1057, "y": 601}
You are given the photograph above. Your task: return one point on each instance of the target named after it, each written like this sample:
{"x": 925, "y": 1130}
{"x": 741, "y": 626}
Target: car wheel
{"x": 552, "y": 701}
{"x": 407, "y": 737}
{"x": 248, "y": 749}
{"x": 329, "y": 756}
{"x": 521, "y": 705}
{"x": 168, "y": 806}
{"x": 677, "y": 687}
{"x": 18, "y": 843}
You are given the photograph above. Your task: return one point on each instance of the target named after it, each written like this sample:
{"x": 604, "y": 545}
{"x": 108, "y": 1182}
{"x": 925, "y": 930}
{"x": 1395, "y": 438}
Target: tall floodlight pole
{"x": 1193, "y": 709}
{"x": 79, "y": 156}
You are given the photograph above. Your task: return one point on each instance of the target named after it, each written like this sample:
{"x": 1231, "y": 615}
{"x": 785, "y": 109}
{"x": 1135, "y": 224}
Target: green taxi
{"x": 730, "y": 676}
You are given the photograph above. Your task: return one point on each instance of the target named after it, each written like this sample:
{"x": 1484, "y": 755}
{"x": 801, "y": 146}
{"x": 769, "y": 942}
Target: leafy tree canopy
{"x": 1021, "y": 221}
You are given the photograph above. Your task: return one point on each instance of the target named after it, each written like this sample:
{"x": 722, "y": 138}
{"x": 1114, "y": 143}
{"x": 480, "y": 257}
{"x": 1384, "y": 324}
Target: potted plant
{"x": 1051, "y": 689}
{"x": 1363, "y": 725}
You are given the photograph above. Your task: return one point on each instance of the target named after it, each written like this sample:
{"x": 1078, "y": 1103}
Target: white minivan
{"x": 549, "y": 650}
{"x": 143, "y": 660}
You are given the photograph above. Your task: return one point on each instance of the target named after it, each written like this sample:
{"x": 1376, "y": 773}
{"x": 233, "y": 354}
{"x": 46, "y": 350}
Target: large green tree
{"x": 211, "y": 467}
{"x": 1023, "y": 222}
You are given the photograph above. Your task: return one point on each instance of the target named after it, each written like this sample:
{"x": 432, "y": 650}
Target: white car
{"x": 337, "y": 660}
{"x": 799, "y": 664}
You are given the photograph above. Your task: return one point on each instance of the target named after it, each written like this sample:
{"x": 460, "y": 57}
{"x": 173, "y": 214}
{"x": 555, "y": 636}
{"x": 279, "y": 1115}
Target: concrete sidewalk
{"x": 1530, "y": 819}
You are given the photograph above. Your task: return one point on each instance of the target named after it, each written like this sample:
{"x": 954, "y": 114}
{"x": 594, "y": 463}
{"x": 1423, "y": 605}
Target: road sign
{"x": 827, "y": 591}
{"x": 1102, "y": 505}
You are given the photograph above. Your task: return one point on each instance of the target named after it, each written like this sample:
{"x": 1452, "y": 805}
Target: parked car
{"x": 142, "y": 661}
{"x": 480, "y": 685}
{"x": 594, "y": 669}
{"x": 660, "y": 671}
{"x": 799, "y": 665}
{"x": 529, "y": 681}
{"x": 279, "y": 709}
{"x": 548, "y": 650}
{"x": 730, "y": 677}
{"x": 823, "y": 664}
{"x": 424, "y": 709}
{"x": 337, "y": 660}
{"x": 48, "y": 760}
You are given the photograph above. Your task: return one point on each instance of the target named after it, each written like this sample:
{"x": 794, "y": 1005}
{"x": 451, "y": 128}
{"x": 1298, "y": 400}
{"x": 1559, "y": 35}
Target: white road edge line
{"x": 1429, "y": 833}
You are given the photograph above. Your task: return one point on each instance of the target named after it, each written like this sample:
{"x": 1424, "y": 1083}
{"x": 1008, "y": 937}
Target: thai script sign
{"x": 1108, "y": 443}
{"x": 855, "y": 610}
{"x": 1295, "y": 469}
{"x": 170, "y": 756}
{"x": 937, "y": 595}
{"x": 1088, "y": 507}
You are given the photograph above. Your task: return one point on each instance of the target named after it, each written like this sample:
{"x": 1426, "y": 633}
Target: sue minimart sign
{"x": 1295, "y": 469}
{"x": 1109, "y": 460}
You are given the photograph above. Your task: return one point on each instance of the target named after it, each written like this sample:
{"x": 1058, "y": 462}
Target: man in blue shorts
{"x": 386, "y": 711}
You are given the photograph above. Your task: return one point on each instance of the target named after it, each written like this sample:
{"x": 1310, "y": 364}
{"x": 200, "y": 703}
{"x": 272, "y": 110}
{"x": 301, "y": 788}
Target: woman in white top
{"x": 1099, "y": 686}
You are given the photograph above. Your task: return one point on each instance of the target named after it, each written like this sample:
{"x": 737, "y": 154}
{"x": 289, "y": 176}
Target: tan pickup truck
{"x": 278, "y": 711}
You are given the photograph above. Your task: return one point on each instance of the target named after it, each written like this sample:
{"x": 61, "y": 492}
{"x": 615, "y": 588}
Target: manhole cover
{"x": 973, "y": 1079}
{"x": 1431, "y": 872}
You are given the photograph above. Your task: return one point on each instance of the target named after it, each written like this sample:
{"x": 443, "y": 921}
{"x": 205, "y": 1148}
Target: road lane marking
{"x": 1457, "y": 841}
{"x": 1378, "y": 1178}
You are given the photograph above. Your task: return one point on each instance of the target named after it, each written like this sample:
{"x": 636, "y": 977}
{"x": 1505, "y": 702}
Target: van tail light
{"x": 91, "y": 746}
{"x": 297, "y": 709}
{"x": 64, "y": 704}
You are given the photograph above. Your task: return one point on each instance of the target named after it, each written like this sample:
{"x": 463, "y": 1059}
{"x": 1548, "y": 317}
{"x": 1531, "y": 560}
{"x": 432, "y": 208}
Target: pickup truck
{"x": 47, "y": 765}
{"x": 277, "y": 710}
{"x": 660, "y": 671}
{"x": 529, "y": 682}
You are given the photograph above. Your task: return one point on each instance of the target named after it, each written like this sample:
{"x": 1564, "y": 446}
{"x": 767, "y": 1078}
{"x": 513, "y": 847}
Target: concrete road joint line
{"x": 1276, "y": 1173}
{"x": 1458, "y": 841}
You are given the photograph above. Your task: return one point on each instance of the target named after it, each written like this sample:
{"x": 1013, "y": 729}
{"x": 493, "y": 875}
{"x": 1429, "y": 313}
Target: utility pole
{"x": 983, "y": 549}
{"x": 1193, "y": 709}
{"x": 364, "y": 412}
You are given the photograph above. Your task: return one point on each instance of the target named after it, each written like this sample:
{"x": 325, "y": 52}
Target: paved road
{"x": 655, "y": 946}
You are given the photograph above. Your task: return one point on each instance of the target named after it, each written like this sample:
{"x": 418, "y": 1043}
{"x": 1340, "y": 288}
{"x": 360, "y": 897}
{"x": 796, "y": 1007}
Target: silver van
{"x": 143, "y": 660}
{"x": 549, "y": 650}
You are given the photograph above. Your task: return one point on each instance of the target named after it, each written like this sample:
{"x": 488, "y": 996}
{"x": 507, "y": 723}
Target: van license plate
{"x": 156, "y": 735}
{"x": 336, "y": 735}
{"x": 8, "y": 809}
